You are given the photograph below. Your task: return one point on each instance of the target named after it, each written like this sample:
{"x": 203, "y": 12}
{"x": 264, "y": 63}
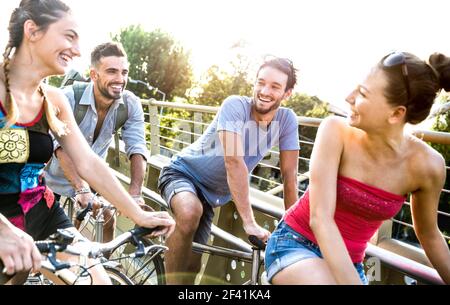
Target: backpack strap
{"x": 122, "y": 113}
{"x": 79, "y": 111}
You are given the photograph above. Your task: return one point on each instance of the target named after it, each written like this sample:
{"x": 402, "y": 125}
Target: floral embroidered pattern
{"x": 14, "y": 147}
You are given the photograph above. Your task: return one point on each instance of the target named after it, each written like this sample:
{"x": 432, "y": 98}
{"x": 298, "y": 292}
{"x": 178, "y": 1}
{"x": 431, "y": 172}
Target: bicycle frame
{"x": 254, "y": 257}
{"x": 97, "y": 222}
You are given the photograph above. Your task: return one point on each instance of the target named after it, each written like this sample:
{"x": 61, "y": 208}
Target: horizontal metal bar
{"x": 174, "y": 140}
{"x": 221, "y": 251}
{"x": 264, "y": 179}
{"x": 179, "y": 130}
{"x": 165, "y": 147}
{"x": 439, "y": 212}
{"x": 182, "y": 120}
{"x": 307, "y": 143}
{"x": 268, "y": 165}
{"x": 418, "y": 271}
{"x": 189, "y": 107}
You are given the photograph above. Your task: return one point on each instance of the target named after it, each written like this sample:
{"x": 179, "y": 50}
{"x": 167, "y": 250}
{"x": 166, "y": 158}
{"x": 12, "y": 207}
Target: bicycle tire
{"x": 143, "y": 270}
{"x": 117, "y": 277}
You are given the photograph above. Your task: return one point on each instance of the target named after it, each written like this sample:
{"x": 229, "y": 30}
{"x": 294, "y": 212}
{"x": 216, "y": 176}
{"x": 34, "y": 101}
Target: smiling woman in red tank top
{"x": 362, "y": 170}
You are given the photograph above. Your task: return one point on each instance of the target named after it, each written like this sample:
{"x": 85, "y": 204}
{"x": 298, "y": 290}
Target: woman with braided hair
{"x": 43, "y": 40}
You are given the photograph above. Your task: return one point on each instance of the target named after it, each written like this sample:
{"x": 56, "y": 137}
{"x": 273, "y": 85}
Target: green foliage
{"x": 56, "y": 80}
{"x": 221, "y": 85}
{"x": 158, "y": 60}
{"x": 305, "y": 105}
{"x": 319, "y": 111}
{"x": 442, "y": 123}
{"x": 310, "y": 106}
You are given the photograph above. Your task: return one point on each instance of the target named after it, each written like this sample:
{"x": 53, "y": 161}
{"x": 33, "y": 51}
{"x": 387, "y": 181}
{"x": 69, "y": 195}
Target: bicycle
{"x": 251, "y": 254}
{"x": 142, "y": 270}
{"x": 58, "y": 272}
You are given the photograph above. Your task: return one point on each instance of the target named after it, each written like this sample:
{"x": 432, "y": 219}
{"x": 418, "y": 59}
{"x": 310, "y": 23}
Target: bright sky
{"x": 332, "y": 42}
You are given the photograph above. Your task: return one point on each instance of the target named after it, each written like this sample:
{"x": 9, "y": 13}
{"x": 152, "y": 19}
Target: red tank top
{"x": 360, "y": 211}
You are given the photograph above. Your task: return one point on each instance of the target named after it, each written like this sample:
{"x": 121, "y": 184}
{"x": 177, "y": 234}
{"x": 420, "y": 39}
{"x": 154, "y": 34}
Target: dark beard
{"x": 106, "y": 94}
{"x": 260, "y": 111}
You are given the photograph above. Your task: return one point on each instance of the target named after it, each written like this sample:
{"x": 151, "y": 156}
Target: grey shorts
{"x": 172, "y": 182}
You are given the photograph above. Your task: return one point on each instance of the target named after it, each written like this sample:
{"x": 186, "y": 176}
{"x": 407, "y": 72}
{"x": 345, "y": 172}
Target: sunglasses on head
{"x": 398, "y": 59}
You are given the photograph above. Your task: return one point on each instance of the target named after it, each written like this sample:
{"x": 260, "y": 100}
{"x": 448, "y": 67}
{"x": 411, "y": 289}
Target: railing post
{"x": 154, "y": 129}
{"x": 198, "y": 128}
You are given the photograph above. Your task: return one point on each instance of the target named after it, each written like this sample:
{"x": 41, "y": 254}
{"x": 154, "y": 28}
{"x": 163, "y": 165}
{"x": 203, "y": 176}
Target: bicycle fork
{"x": 98, "y": 227}
{"x": 256, "y": 258}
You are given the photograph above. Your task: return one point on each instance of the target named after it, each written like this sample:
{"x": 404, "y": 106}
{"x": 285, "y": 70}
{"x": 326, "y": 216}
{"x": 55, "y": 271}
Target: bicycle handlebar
{"x": 61, "y": 242}
{"x": 81, "y": 214}
{"x": 258, "y": 243}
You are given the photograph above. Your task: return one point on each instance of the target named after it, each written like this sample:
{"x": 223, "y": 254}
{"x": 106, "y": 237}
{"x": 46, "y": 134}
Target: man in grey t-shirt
{"x": 215, "y": 169}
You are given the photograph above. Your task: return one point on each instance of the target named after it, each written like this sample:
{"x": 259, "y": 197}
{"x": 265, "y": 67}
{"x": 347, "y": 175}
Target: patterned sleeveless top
{"x": 24, "y": 151}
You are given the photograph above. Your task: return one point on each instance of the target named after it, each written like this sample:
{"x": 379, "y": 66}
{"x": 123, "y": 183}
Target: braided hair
{"x": 43, "y": 13}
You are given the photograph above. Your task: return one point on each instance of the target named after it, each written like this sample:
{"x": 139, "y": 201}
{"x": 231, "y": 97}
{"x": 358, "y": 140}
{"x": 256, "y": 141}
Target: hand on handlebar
{"x": 253, "y": 228}
{"x": 141, "y": 203}
{"x": 84, "y": 199}
{"x": 17, "y": 250}
{"x": 157, "y": 219}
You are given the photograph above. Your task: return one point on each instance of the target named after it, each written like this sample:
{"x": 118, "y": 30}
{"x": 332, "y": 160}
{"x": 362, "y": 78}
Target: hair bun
{"x": 441, "y": 63}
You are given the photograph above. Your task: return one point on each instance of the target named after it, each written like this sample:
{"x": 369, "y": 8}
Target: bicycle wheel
{"x": 147, "y": 270}
{"x": 117, "y": 277}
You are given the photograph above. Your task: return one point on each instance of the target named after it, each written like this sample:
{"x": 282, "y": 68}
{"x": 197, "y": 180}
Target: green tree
{"x": 442, "y": 123}
{"x": 55, "y": 80}
{"x": 305, "y": 105}
{"x": 158, "y": 60}
{"x": 221, "y": 84}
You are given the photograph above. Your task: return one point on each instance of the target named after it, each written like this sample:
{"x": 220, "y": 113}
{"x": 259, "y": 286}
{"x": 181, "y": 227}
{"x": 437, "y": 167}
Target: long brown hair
{"x": 43, "y": 13}
{"x": 424, "y": 82}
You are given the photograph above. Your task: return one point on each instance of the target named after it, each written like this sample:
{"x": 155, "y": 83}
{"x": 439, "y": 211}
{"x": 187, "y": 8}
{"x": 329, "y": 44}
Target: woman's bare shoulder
{"x": 55, "y": 95}
{"x": 336, "y": 126}
{"x": 425, "y": 161}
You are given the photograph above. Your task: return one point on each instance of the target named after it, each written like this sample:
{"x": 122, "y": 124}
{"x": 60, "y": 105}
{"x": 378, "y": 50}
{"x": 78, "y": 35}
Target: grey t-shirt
{"x": 203, "y": 160}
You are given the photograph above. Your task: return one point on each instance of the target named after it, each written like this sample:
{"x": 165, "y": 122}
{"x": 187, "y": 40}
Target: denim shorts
{"x": 172, "y": 182}
{"x": 286, "y": 247}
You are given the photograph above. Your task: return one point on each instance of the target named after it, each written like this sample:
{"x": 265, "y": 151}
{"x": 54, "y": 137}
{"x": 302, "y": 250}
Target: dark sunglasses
{"x": 399, "y": 59}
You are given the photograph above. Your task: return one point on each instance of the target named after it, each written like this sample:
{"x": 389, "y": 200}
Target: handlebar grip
{"x": 43, "y": 247}
{"x": 140, "y": 231}
{"x": 258, "y": 243}
{"x": 3, "y": 276}
{"x": 81, "y": 214}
